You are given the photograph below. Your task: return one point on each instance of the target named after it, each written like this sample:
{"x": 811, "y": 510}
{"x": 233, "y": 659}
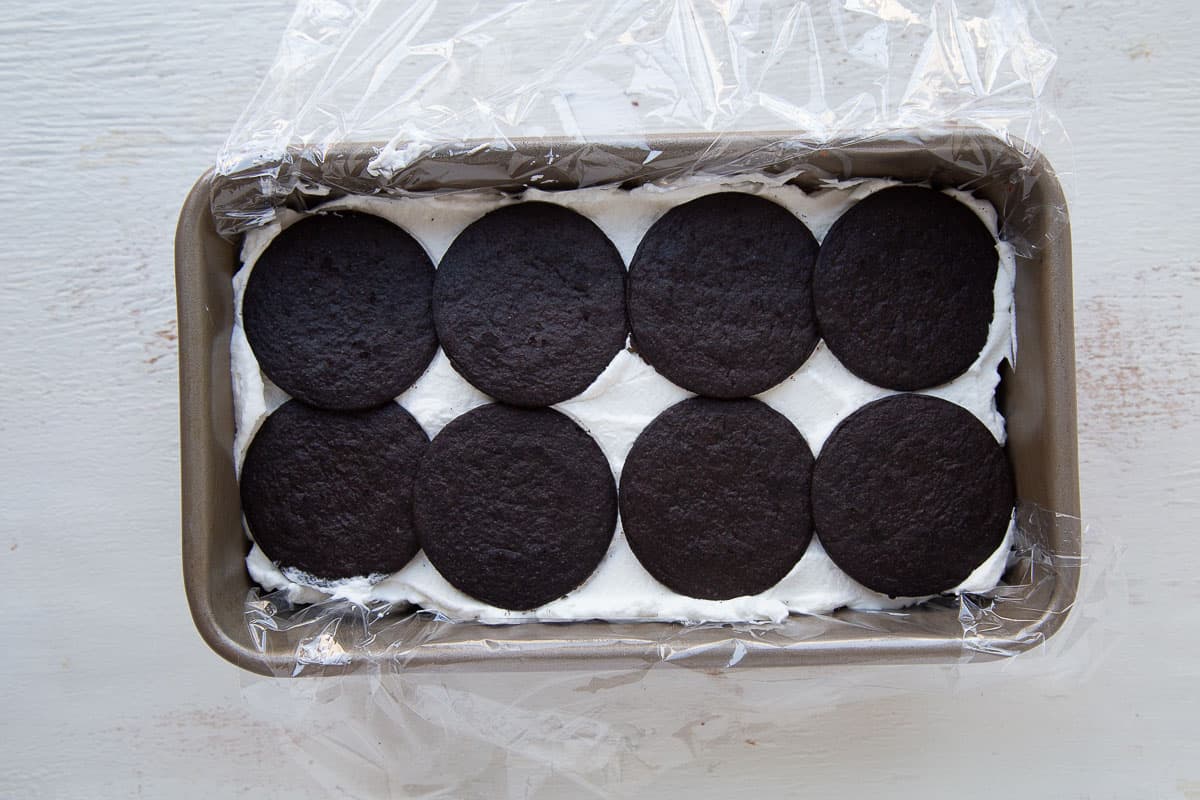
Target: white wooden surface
{"x": 109, "y": 111}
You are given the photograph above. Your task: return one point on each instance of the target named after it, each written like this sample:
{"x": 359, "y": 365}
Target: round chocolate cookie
{"x": 715, "y": 497}
{"x": 720, "y": 295}
{"x": 337, "y": 310}
{"x": 911, "y": 494}
{"x": 904, "y": 288}
{"x": 514, "y": 506}
{"x": 529, "y": 303}
{"x": 330, "y": 492}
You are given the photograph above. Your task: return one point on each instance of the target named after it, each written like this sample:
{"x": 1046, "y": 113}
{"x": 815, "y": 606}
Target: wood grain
{"x": 111, "y": 109}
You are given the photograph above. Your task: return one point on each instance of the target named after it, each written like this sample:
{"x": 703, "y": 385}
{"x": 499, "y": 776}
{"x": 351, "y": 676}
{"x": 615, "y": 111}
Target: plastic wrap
{"x": 1005, "y": 621}
{"x": 479, "y": 728}
{"x": 370, "y": 97}
{"x": 383, "y": 98}
{"x": 683, "y": 721}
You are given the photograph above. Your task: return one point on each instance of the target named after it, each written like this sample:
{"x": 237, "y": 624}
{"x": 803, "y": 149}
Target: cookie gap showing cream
{"x": 625, "y": 398}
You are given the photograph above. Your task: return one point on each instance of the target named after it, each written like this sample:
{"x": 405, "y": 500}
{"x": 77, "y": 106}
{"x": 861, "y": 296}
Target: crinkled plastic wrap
{"x": 371, "y": 97}
{"x": 683, "y": 721}
{"x": 425, "y": 97}
{"x": 1008, "y": 620}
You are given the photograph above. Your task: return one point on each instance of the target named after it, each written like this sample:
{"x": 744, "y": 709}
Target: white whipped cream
{"x": 621, "y": 402}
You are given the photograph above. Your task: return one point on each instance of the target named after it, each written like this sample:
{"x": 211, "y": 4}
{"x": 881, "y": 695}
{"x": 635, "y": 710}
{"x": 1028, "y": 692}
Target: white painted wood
{"x": 110, "y": 109}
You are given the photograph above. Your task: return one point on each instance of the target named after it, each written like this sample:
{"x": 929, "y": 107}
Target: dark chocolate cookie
{"x": 337, "y": 310}
{"x": 515, "y": 506}
{"x": 330, "y": 492}
{"x": 904, "y": 288}
{"x": 911, "y": 494}
{"x": 529, "y": 303}
{"x": 715, "y": 497}
{"x": 720, "y": 295}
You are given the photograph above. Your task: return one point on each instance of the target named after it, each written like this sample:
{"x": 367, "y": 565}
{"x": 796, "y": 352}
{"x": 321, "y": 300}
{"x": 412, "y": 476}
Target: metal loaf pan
{"x": 1038, "y": 398}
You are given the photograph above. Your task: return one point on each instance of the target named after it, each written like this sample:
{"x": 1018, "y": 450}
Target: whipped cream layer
{"x": 626, "y": 396}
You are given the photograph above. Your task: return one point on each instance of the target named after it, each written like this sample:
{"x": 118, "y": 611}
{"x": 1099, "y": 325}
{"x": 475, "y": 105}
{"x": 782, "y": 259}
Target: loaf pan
{"x": 1037, "y": 397}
